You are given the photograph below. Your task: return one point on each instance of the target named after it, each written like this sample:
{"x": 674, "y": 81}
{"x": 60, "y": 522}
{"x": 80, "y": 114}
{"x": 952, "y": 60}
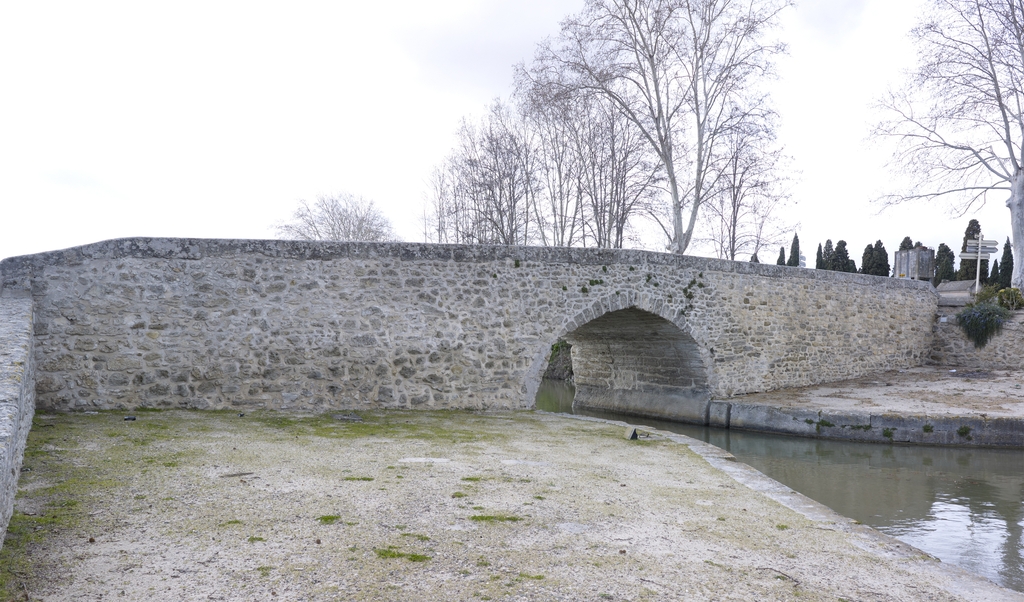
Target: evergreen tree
{"x": 906, "y": 244}
{"x": 840, "y": 257}
{"x": 782, "y": 256}
{"x": 794, "y": 252}
{"x": 994, "y": 276}
{"x": 754, "y": 259}
{"x": 1006, "y": 265}
{"x": 881, "y": 260}
{"x": 851, "y": 266}
{"x": 867, "y": 260}
{"x": 875, "y": 260}
{"x": 819, "y": 263}
{"x": 968, "y": 265}
{"x": 944, "y": 260}
{"x": 826, "y": 255}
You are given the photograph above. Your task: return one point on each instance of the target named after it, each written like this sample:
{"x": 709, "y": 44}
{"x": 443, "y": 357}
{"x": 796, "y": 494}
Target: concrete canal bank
{"x": 926, "y": 405}
{"x": 428, "y": 506}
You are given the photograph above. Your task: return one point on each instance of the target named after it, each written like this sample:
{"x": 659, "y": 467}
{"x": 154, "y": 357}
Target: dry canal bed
{"x": 181, "y": 505}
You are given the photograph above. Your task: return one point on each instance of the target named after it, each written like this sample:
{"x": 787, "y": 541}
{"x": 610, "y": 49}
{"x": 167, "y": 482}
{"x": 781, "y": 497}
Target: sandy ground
{"x": 427, "y": 506}
{"x": 927, "y": 390}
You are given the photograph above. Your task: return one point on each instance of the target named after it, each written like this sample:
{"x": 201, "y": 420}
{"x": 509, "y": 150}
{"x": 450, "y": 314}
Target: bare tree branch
{"x": 338, "y": 217}
{"x": 958, "y": 126}
{"x": 672, "y": 68}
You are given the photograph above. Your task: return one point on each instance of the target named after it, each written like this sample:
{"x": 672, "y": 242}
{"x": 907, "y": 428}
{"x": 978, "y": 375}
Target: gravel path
{"x": 181, "y": 505}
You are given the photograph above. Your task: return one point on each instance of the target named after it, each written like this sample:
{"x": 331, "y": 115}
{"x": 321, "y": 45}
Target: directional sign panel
{"x": 987, "y": 246}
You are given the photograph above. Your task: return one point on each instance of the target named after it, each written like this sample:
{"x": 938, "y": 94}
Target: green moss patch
{"x": 391, "y": 552}
{"x": 495, "y": 518}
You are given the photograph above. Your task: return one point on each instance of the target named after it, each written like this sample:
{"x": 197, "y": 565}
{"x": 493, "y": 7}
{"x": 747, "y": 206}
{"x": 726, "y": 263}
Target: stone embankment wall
{"x": 952, "y": 348}
{"x": 17, "y": 395}
{"x": 282, "y": 324}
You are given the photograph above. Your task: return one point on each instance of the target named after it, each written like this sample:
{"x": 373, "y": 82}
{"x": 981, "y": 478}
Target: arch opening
{"x": 635, "y": 362}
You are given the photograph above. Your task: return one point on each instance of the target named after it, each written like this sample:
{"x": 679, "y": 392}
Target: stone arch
{"x": 635, "y": 354}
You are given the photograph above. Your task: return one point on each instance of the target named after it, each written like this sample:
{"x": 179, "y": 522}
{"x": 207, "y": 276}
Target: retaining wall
{"x": 17, "y": 394}
{"x": 893, "y": 427}
{"x": 951, "y": 347}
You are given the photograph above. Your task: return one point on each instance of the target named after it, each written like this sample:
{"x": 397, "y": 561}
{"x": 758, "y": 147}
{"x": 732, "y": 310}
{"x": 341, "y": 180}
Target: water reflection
{"x": 555, "y": 396}
{"x": 965, "y": 506}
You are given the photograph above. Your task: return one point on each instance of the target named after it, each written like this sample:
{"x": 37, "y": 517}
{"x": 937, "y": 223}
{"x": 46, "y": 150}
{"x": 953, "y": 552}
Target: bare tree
{"x": 959, "y": 122}
{"x": 338, "y": 217}
{"x": 618, "y": 179}
{"x": 561, "y": 170}
{"x": 599, "y": 170}
{"x": 488, "y": 187}
{"x": 741, "y": 216}
{"x": 554, "y": 121}
{"x": 672, "y": 67}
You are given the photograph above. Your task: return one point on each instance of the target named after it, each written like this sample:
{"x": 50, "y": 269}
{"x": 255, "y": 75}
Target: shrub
{"x": 987, "y": 294}
{"x": 1011, "y": 298}
{"x": 981, "y": 321}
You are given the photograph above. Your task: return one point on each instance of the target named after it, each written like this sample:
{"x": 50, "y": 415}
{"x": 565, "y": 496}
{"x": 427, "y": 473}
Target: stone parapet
{"x": 17, "y": 394}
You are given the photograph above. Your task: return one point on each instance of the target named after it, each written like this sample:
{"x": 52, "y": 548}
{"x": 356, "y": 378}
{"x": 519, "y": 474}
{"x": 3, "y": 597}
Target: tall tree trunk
{"x": 1016, "y": 206}
{"x": 678, "y": 245}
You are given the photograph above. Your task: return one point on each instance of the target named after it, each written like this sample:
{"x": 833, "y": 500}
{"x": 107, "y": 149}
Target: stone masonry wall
{"x": 17, "y": 395}
{"x": 284, "y": 324}
{"x": 951, "y": 347}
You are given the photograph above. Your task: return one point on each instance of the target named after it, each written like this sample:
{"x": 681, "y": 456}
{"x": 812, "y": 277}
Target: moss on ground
{"x": 55, "y": 486}
{"x": 516, "y": 505}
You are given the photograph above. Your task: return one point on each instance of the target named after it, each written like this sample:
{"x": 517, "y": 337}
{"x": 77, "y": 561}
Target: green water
{"x": 965, "y": 506}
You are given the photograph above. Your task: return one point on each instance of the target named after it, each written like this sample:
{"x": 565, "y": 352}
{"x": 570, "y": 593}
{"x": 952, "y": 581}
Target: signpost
{"x": 981, "y": 248}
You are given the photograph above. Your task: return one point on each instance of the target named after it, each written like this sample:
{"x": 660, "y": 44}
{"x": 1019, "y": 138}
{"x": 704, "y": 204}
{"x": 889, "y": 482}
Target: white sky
{"x": 203, "y": 119}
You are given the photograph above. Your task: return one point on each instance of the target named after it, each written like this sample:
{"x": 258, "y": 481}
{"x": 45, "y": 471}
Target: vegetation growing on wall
{"x": 1011, "y": 299}
{"x": 560, "y": 362}
{"x": 982, "y": 321}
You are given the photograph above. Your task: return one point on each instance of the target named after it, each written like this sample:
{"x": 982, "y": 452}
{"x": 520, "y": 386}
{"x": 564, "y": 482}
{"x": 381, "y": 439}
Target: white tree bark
{"x": 1016, "y": 206}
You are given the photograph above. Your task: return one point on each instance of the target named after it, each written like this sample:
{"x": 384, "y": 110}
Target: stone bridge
{"x": 182, "y": 323}
{"x": 306, "y": 325}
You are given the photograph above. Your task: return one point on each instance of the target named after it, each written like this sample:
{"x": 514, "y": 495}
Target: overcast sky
{"x": 212, "y": 119}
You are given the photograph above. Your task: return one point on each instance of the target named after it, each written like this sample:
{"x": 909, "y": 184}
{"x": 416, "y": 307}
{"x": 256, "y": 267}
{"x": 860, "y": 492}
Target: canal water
{"x": 964, "y": 506}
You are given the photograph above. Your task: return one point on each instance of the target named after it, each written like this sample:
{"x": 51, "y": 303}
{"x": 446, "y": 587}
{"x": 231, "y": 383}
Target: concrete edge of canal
{"x": 959, "y": 582}
{"x": 887, "y": 427}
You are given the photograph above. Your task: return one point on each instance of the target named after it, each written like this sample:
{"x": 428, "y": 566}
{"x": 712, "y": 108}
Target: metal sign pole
{"x": 977, "y": 268}
{"x": 985, "y": 247}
